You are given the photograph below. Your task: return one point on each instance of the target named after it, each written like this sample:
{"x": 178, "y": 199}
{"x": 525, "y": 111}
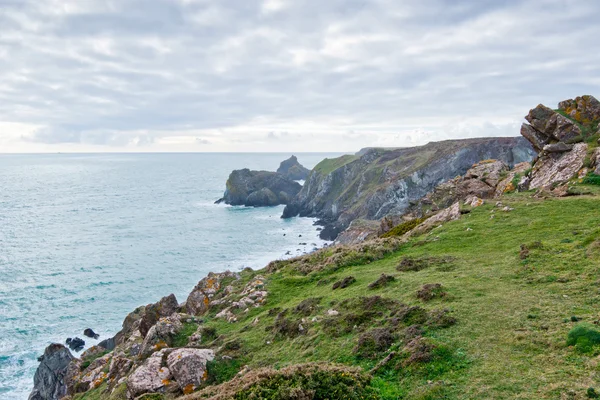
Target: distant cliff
{"x": 378, "y": 182}
{"x": 259, "y": 189}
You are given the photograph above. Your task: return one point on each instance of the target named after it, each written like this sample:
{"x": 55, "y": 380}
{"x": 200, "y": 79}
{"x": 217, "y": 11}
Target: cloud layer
{"x": 302, "y": 75}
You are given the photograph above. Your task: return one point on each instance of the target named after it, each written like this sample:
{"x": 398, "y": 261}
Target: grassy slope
{"x": 513, "y": 315}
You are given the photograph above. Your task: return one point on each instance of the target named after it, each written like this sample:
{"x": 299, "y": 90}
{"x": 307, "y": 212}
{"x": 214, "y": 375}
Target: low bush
{"x": 344, "y": 283}
{"x": 592, "y": 179}
{"x": 403, "y": 228}
{"x": 431, "y": 291}
{"x": 222, "y": 370}
{"x": 584, "y": 337}
{"x": 382, "y": 281}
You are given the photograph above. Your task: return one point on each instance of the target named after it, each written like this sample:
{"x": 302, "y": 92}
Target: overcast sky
{"x": 284, "y": 75}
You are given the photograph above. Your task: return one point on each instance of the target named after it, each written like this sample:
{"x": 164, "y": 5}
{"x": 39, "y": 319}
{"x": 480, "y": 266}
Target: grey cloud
{"x": 99, "y": 72}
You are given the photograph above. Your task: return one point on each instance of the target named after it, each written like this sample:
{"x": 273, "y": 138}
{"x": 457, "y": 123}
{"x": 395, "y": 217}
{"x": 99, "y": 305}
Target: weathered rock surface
{"x": 153, "y": 312}
{"x": 506, "y": 185}
{"x": 293, "y": 170}
{"x": 199, "y": 300}
{"x": 381, "y": 182}
{"x": 595, "y": 160}
{"x": 161, "y": 334}
{"x": 259, "y": 188}
{"x": 547, "y": 126}
{"x": 188, "y": 367}
{"x": 151, "y": 377}
{"x": 582, "y": 109}
{"x": 558, "y": 168}
{"x": 49, "y": 379}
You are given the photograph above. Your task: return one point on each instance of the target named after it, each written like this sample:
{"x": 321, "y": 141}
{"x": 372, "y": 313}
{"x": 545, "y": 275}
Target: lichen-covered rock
{"x": 292, "y": 169}
{"x": 595, "y": 159}
{"x": 95, "y": 374}
{"x": 242, "y": 184}
{"x": 119, "y": 368}
{"x": 199, "y": 300}
{"x": 49, "y": 378}
{"x": 151, "y": 377}
{"x": 507, "y": 185}
{"x": 487, "y": 171}
{"x": 153, "y": 312}
{"x": 558, "y": 168}
{"x": 583, "y": 109}
{"x": 131, "y": 324}
{"x": 548, "y": 127}
{"x": 188, "y": 367}
{"x": 161, "y": 335}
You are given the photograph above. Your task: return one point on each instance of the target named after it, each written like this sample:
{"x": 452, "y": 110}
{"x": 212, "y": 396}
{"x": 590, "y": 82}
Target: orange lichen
{"x": 166, "y": 382}
{"x": 189, "y": 388}
{"x": 206, "y": 301}
{"x": 160, "y": 345}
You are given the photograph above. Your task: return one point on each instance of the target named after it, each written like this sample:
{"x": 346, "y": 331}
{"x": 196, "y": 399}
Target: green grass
{"x": 513, "y": 315}
{"x": 329, "y": 165}
{"x": 182, "y": 337}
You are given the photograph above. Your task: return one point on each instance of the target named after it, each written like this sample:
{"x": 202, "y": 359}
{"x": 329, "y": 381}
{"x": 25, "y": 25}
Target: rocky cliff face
{"x": 259, "y": 188}
{"x": 49, "y": 380}
{"x": 293, "y": 170}
{"x": 381, "y": 182}
{"x": 563, "y": 138}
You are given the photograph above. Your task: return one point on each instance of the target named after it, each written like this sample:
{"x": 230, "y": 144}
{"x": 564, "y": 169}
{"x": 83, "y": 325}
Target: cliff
{"x": 381, "y": 182}
{"x": 259, "y": 189}
{"x": 292, "y": 169}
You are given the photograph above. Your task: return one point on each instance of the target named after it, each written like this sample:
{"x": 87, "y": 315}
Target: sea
{"x": 87, "y": 238}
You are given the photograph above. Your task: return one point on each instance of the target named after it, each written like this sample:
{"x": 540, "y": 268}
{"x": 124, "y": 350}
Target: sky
{"x": 284, "y": 75}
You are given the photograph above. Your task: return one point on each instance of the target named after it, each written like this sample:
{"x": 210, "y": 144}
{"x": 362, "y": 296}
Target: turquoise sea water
{"x": 85, "y": 239}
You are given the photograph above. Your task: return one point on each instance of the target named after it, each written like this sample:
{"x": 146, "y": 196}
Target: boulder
{"x": 49, "y": 379}
{"x": 119, "y": 368}
{"x": 595, "y": 160}
{"x": 548, "y": 126}
{"x": 163, "y": 308}
{"x": 151, "y": 377}
{"x": 130, "y": 325}
{"x": 75, "y": 344}
{"x": 274, "y": 188}
{"x": 293, "y": 170}
{"x": 449, "y": 214}
{"x": 507, "y": 184}
{"x": 559, "y": 147}
{"x": 198, "y": 301}
{"x": 188, "y": 367}
{"x": 583, "y": 109}
{"x": 488, "y": 171}
{"x": 161, "y": 335}
{"x": 90, "y": 333}
{"x": 557, "y": 168}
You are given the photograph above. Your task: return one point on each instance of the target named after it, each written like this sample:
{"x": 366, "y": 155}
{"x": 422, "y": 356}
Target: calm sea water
{"x": 84, "y": 239}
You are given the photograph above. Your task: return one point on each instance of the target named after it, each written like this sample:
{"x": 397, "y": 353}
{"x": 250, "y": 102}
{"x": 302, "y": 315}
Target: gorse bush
{"x": 584, "y": 337}
{"x": 403, "y": 228}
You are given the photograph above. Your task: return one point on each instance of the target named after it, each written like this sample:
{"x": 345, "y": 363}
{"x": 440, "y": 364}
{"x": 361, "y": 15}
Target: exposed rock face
{"x": 199, "y": 300}
{"x": 449, "y": 214}
{"x": 548, "y": 126}
{"x": 382, "y": 182}
{"x": 506, "y": 184}
{"x": 188, "y": 367}
{"x": 163, "y": 308}
{"x": 259, "y": 188}
{"x": 49, "y": 379}
{"x": 161, "y": 335}
{"x": 583, "y": 109}
{"x": 558, "y": 168}
{"x": 293, "y": 170}
{"x": 153, "y": 376}
{"x": 595, "y": 159}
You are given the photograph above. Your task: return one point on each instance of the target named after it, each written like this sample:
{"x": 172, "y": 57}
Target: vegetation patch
{"x": 382, "y": 281}
{"x": 584, "y": 337}
{"x": 592, "y": 179}
{"x": 182, "y": 337}
{"x": 420, "y": 263}
{"x": 404, "y": 227}
{"x": 222, "y": 369}
{"x": 431, "y": 291}
{"x": 308, "y": 306}
{"x": 374, "y": 342}
{"x": 344, "y": 283}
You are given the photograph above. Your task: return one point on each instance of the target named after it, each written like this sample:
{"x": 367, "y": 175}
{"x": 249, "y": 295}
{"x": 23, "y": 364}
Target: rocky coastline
{"x": 374, "y": 203}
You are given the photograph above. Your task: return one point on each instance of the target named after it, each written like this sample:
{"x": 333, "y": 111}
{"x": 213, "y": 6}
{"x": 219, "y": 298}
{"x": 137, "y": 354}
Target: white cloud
{"x": 133, "y": 75}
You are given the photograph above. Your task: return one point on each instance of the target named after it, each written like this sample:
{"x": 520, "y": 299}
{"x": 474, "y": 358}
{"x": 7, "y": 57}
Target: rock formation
{"x": 382, "y": 182}
{"x": 259, "y": 189}
{"x": 49, "y": 380}
{"x": 292, "y": 169}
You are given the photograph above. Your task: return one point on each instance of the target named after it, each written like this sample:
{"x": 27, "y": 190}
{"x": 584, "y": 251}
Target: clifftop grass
{"x": 500, "y": 330}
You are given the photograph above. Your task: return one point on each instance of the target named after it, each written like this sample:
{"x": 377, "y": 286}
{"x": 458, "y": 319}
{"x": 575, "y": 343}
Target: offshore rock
{"x": 293, "y": 170}
{"x": 49, "y": 379}
{"x": 380, "y": 182}
{"x": 259, "y": 188}
{"x": 90, "y": 333}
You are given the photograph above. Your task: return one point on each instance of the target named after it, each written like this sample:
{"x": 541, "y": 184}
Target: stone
{"x": 242, "y": 184}
{"x": 476, "y": 187}
{"x": 449, "y": 214}
{"x": 488, "y": 171}
{"x": 119, "y": 368}
{"x": 130, "y": 325}
{"x": 151, "y": 377}
{"x": 199, "y": 300}
{"x": 49, "y": 379}
{"x": 94, "y": 375}
{"x": 583, "y": 108}
{"x": 595, "y": 159}
{"x": 293, "y": 170}
{"x": 161, "y": 335}
{"x": 558, "y": 168}
{"x": 507, "y": 185}
{"x": 75, "y": 344}
{"x": 108, "y": 344}
{"x": 153, "y": 312}
{"x": 550, "y": 126}
{"x": 559, "y": 147}
{"x": 188, "y": 367}
{"x": 90, "y": 333}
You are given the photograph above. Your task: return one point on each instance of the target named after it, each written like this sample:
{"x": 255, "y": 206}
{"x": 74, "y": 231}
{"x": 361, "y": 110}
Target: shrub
{"x": 403, "y": 228}
{"x": 372, "y": 343}
{"x": 592, "y": 179}
{"x": 308, "y": 306}
{"x": 420, "y": 263}
{"x": 431, "y": 291}
{"x": 584, "y": 337}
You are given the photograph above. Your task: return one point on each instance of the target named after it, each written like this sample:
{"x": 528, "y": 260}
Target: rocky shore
{"x": 219, "y": 342}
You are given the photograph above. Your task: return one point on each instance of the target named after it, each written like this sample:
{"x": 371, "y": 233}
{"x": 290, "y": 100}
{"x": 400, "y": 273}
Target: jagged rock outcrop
{"x": 259, "y": 189}
{"x": 559, "y": 136}
{"x": 293, "y": 170}
{"x": 49, "y": 379}
{"x": 199, "y": 300}
{"x": 163, "y": 308}
{"x": 384, "y": 182}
